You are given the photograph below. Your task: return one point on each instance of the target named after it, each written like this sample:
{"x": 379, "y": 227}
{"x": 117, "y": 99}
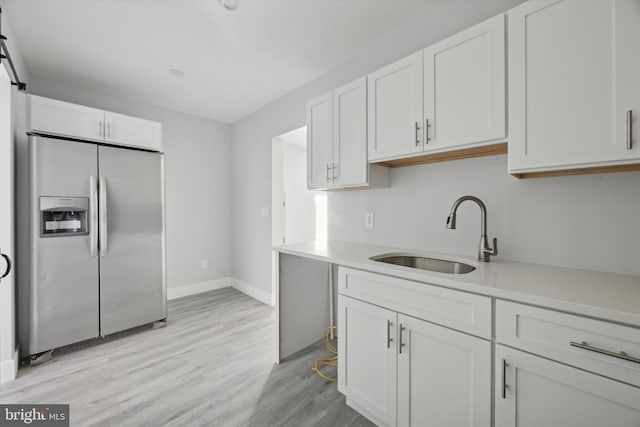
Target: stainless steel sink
{"x": 431, "y": 264}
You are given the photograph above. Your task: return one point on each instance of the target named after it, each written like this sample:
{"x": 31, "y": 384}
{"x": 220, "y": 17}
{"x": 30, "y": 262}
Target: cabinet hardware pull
{"x": 328, "y": 169}
{"x": 100, "y": 129}
{"x": 426, "y": 130}
{"x": 336, "y": 172}
{"x": 621, "y": 355}
{"x": 402, "y": 328}
{"x": 629, "y": 129}
{"x": 417, "y": 135}
{"x": 389, "y": 339}
{"x": 109, "y": 130}
{"x": 504, "y": 379}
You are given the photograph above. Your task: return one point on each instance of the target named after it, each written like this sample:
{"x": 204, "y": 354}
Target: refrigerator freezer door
{"x": 132, "y": 261}
{"x": 63, "y": 290}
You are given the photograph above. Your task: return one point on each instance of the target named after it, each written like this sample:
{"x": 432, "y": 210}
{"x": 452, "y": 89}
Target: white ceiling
{"x": 235, "y": 62}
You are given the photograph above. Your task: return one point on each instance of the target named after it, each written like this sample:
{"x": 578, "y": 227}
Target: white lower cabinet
{"x": 367, "y": 359}
{"x": 532, "y": 391}
{"x": 399, "y": 370}
{"x": 444, "y": 376}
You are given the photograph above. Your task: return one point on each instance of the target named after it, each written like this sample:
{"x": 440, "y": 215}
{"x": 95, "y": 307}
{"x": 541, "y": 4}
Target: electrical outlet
{"x": 204, "y": 264}
{"x": 368, "y": 219}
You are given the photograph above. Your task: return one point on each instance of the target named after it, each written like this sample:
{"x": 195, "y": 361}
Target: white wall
{"x": 251, "y": 136}
{"x": 197, "y": 175}
{"x": 8, "y": 355}
{"x": 300, "y": 208}
{"x": 583, "y": 221}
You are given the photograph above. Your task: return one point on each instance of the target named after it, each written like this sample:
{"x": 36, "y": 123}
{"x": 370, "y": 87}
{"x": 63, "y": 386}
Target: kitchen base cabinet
{"x": 531, "y": 391}
{"x": 367, "y": 359}
{"x": 444, "y": 376}
{"x": 399, "y": 370}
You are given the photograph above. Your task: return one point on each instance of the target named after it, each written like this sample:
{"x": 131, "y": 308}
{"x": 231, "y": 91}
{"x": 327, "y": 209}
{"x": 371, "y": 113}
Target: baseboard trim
{"x": 198, "y": 288}
{"x": 9, "y": 368}
{"x": 253, "y": 292}
{"x": 225, "y": 282}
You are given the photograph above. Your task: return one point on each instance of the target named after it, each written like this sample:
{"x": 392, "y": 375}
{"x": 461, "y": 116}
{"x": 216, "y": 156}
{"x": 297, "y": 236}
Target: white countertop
{"x": 614, "y": 297}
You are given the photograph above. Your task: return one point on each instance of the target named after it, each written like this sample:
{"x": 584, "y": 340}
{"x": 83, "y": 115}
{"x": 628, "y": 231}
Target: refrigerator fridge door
{"x": 62, "y": 297}
{"x": 132, "y": 251}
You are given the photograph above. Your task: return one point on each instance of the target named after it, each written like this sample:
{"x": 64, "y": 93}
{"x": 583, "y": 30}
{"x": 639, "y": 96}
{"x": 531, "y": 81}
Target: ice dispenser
{"x": 63, "y": 216}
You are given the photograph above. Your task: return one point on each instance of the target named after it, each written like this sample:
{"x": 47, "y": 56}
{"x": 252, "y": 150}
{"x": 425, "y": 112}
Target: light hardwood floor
{"x": 212, "y": 365}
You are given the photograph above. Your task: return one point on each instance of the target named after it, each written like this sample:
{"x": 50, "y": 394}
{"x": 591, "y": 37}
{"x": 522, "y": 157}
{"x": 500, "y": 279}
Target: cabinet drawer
{"x": 458, "y": 310}
{"x": 551, "y": 334}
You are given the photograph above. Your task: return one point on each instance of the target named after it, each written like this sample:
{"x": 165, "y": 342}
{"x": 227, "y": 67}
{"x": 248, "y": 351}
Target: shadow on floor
{"x": 294, "y": 396}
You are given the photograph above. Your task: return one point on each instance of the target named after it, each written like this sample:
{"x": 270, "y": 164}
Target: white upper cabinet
{"x": 395, "y": 109}
{"x": 320, "y": 142}
{"x": 574, "y": 77}
{"x": 50, "y": 116}
{"x": 337, "y": 141}
{"x": 350, "y": 133}
{"x": 464, "y": 87}
{"x": 64, "y": 118}
{"x": 132, "y": 131}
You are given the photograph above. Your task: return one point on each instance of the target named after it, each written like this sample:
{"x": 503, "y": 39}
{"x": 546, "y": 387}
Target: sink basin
{"x": 423, "y": 263}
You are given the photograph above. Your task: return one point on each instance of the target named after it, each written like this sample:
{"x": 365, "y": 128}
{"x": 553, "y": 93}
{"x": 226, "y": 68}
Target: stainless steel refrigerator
{"x": 96, "y": 245}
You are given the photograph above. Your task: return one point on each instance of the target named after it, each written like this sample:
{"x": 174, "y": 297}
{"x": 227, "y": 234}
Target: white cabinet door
{"x": 574, "y": 72}
{"x": 367, "y": 359}
{"x": 132, "y": 131}
{"x": 540, "y": 392}
{"x": 444, "y": 376}
{"x": 350, "y": 134}
{"x": 395, "y": 109}
{"x": 63, "y": 118}
{"x": 465, "y": 87}
{"x": 320, "y": 142}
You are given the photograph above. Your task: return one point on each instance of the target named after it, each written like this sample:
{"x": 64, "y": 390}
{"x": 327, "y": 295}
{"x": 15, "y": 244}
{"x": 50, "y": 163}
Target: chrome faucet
{"x": 484, "y": 251}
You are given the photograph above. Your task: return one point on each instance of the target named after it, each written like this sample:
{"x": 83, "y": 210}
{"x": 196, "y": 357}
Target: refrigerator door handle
{"x": 93, "y": 215}
{"x": 103, "y": 216}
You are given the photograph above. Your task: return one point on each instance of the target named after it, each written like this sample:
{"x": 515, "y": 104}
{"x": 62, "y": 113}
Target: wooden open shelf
{"x": 466, "y": 153}
{"x": 502, "y": 148}
{"x": 579, "y": 171}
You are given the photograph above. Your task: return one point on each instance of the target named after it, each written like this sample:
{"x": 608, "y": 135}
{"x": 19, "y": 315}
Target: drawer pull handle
{"x": 402, "y": 328}
{"x": 389, "y": 339}
{"x": 621, "y": 355}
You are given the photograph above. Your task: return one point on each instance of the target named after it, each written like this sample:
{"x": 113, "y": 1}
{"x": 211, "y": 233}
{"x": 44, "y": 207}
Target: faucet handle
{"x": 494, "y": 250}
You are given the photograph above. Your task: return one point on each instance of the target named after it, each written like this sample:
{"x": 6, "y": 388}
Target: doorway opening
{"x": 298, "y": 214}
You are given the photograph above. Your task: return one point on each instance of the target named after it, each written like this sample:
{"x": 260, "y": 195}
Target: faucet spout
{"x": 484, "y": 250}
